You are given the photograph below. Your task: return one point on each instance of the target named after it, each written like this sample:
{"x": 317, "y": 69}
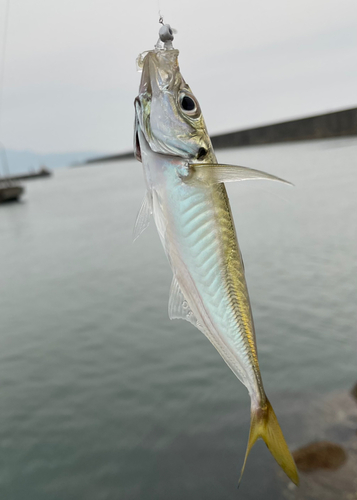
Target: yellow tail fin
{"x": 265, "y": 425}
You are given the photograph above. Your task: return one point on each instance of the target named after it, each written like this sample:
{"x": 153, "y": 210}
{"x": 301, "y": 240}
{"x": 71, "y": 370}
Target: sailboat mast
{"x": 5, "y": 164}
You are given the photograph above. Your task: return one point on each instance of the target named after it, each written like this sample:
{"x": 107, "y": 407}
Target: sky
{"x": 70, "y": 76}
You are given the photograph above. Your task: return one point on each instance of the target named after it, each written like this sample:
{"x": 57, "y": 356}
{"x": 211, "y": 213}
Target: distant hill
{"x": 26, "y": 161}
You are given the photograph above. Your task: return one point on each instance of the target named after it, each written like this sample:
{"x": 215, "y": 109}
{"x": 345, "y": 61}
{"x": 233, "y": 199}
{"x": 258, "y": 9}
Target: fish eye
{"x": 188, "y": 104}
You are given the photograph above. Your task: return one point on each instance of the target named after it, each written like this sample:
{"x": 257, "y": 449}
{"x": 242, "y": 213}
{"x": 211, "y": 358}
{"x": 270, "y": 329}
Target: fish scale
{"x": 217, "y": 292}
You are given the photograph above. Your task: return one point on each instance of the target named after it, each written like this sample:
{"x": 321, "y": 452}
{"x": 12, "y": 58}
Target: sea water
{"x": 102, "y": 396}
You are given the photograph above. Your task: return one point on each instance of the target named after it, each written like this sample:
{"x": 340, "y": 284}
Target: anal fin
{"x": 179, "y": 307}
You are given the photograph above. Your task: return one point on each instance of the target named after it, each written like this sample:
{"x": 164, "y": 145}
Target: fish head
{"x": 167, "y": 113}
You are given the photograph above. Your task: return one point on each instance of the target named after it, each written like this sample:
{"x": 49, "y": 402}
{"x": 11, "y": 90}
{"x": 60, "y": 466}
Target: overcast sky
{"x": 70, "y": 76}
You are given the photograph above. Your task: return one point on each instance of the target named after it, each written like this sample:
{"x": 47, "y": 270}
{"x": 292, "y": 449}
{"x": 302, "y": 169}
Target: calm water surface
{"x": 102, "y": 397}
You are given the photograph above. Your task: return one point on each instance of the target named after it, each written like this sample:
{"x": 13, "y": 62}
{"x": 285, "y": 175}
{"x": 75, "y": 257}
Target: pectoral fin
{"x": 143, "y": 217}
{"x": 215, "y": 173}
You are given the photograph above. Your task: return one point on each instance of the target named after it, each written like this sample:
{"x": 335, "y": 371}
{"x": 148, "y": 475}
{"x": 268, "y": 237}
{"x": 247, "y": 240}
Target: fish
{"x": 186, "y": 195}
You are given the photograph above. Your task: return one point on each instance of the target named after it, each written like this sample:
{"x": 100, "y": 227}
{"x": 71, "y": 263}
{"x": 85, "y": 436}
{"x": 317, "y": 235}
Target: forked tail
{"x": 265, "y": 425}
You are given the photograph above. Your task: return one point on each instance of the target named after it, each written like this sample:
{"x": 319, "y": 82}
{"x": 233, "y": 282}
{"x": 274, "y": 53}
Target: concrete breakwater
{"x": 336, "y": 124}
{"x": 122, "y": 156}
{"x": 43, "y": 172}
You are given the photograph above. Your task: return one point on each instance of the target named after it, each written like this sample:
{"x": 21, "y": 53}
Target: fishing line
{"x": 161, "y": 19}
{"x": 2, "y": 67}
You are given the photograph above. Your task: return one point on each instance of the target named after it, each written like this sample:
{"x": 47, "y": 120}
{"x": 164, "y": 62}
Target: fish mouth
{"x": 160, "y": 69}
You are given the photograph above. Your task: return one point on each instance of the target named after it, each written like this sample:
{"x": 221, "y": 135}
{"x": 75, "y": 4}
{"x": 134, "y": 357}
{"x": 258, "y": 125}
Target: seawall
{"x": 336, "y": 124}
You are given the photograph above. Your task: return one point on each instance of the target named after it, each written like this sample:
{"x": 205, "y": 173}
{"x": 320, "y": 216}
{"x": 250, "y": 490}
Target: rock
{"x": 320, "y": 455}
{"x": 354, "y": 391}
{"x": 329, "y": 419}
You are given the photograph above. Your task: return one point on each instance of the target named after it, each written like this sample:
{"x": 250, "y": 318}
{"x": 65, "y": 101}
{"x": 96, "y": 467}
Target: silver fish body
{"x": 187, "y": 197}
{"x": 196, "y": 229}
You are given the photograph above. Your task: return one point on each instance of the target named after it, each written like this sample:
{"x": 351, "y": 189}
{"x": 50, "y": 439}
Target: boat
{"x": 10, "y": 192}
